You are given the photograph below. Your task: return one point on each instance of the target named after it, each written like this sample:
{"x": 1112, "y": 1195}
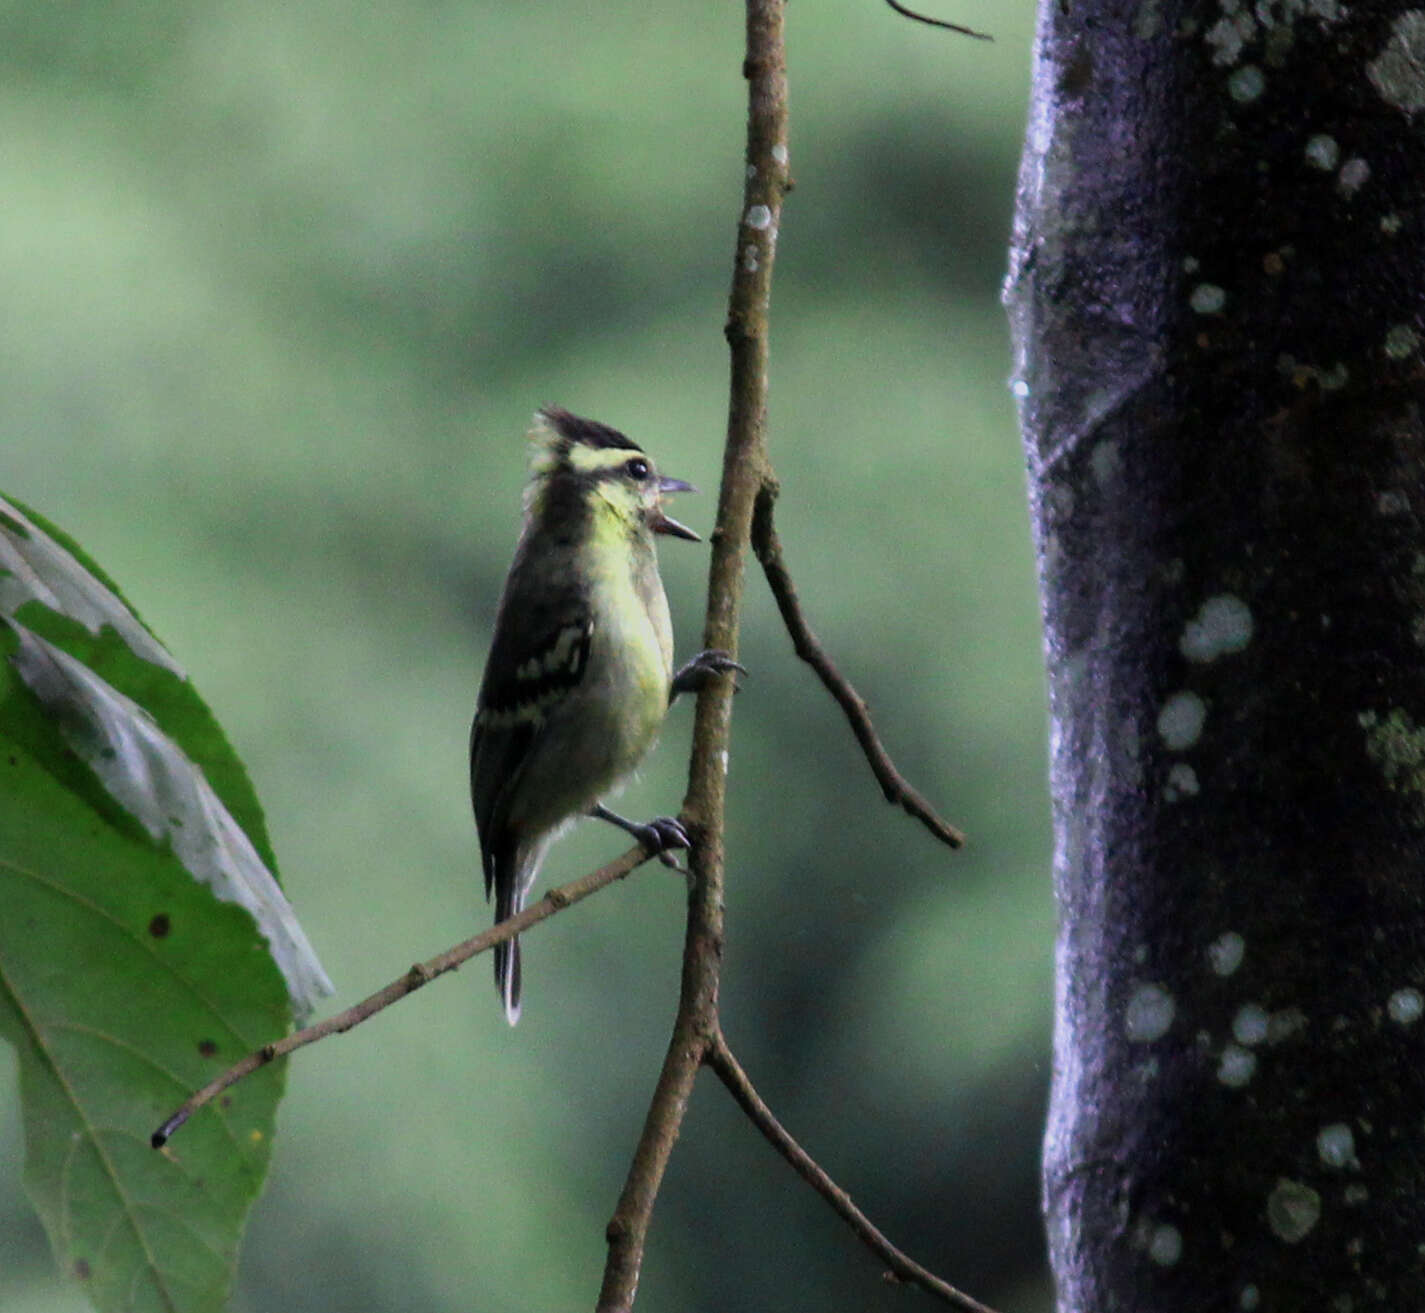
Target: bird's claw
{"x": 663, "y": 836}
{"x": 695, "y": 675}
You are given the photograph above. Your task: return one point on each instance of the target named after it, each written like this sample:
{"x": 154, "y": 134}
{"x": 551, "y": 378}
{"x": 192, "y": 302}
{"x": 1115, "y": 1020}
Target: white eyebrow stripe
{"x": 598, "y": 460}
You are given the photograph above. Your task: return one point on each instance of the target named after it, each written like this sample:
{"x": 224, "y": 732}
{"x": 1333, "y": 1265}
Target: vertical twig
{"x": 742, "y": 473}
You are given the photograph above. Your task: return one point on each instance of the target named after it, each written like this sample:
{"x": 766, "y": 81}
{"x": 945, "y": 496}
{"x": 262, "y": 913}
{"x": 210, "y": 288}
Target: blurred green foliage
{"x": 282, "y": 286}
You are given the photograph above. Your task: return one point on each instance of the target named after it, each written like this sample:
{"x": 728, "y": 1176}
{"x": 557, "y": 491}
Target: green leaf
{"x": 144, "y": 944}
{"x": 49, "y": 583}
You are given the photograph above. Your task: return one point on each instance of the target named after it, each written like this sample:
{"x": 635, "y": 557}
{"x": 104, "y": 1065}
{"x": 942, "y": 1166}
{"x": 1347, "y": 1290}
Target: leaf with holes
{"x": 144, "y": 943}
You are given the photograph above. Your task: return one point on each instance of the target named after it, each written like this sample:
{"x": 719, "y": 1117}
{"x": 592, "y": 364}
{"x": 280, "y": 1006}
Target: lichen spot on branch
{"x": 1406, "y": 1006}
{"x": 1396, "y": 744}
{"x": 1224, "y": 954}
{"x": 1181, "y": 719}
{"x": 1398, "y": 72}
{"x": 1149, "y": 1014}
{"x": 1336, "y": 1146}
{"x": 1237, "y": 1066}
{"x": 1223, "y": 625}
{"x": 1293, "y": 1210}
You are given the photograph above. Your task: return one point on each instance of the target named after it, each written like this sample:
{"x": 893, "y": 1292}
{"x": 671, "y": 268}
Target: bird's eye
{"x": 638, "y": 468}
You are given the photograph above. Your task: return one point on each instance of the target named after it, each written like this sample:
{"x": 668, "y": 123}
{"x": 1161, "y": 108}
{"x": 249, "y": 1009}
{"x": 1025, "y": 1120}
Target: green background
{"x": 281, "y": 286}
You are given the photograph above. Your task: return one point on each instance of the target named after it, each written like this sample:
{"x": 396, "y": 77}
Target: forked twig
{"x": 419, "y": 975}
{"x": 901, "y": 1268}
{"x": 744, "y": 517}
{"x": 743, "y": 464}
{"x": 894, "y": 785}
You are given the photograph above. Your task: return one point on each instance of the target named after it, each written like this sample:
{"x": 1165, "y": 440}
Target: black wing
{"x": 540, "y": 653}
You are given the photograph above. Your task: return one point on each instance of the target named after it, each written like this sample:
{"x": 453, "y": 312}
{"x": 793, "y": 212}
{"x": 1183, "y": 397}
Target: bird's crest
{"x": 564, "y": 441}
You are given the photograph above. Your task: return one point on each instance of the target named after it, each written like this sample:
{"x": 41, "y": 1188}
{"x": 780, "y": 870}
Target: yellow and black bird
{"x": 580, "y": 672}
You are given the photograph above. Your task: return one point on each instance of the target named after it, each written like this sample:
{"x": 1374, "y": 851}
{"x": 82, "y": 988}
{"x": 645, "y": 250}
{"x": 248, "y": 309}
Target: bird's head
{"x": 580, "y": 462}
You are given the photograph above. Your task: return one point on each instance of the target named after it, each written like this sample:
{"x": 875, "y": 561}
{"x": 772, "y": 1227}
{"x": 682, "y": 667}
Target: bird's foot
{"x": 695, "y": 675}
{"x": 661, "y": 836}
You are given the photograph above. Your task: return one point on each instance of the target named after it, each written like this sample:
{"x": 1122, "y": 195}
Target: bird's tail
{"x": 509, "y": 899}
{"x": 506, "y": 873}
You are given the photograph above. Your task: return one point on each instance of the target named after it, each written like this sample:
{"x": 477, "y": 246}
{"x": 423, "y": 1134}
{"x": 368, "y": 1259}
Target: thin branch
{"x": 743, "y": 470}
{"x": 901, "y": 1268}
{"x": 938, "y": 22}
{"x": 421, "y": 974}
{"x": 627, "y": 1231}
{"x": 894, "y": 785}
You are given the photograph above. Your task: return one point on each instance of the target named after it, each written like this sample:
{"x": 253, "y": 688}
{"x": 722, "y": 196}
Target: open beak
{"x": 661, "y": 523}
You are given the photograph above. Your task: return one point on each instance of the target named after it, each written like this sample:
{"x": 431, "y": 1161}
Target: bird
{"x": 580, "y": 670}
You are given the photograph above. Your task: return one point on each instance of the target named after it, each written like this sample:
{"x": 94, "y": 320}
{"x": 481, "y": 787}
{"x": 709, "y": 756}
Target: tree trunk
{"x": 1216, "y": 293}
